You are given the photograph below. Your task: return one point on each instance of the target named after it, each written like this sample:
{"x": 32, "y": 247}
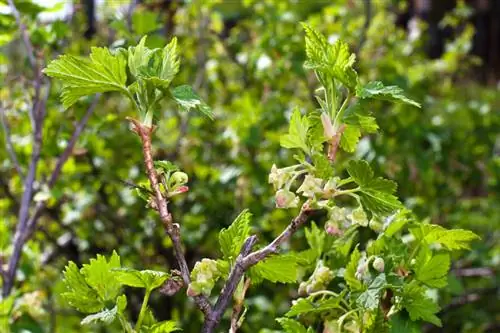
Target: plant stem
{"x": 340, "y": 114}
{"x": 143, "y": 310}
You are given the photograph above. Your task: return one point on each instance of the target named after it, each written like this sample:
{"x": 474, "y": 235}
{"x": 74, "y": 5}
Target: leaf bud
{"x": 179, "y": 178}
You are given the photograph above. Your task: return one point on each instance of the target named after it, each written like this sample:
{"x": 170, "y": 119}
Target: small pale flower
{"x": 278, "y": 177}
{"x": 311, "y": 186}
{"x": 330, "y": 186}
{"x": 358, "y": 216}
{"x": 286, "y": 199}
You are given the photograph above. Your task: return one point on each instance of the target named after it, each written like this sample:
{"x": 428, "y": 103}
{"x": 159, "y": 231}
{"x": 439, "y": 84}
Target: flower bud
{"x": 378, "y": 264}
{"x": 179, "y": 178}
{"x": 203, "y": 277}
{"x": 328, "y": 130}
{"x": 286, "y": 199}
{"x": 330, "y": 186}
{"x": 332, "y": 228}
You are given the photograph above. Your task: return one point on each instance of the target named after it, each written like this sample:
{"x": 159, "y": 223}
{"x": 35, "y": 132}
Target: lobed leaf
{"x": 297, "y": 132}
{"x": 103, "y": 72}
{"x": 232, "y": 238}
{"x": 377, "y": 90}
{"x": 279, "y": 268}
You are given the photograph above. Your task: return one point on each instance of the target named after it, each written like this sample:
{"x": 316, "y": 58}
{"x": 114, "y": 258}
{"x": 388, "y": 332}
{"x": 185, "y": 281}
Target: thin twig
{"x": 246, "y": 260}
{"x": 25, "y": 229}
{"x": 172, "y": 229}
{"x": 39, "y": 111}
{"x": 24, "y": 35}
{"x": 9, "y": 145}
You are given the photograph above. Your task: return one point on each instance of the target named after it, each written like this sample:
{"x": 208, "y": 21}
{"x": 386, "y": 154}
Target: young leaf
{"x": 418, "y": 305}
{"x": 105, "y": 316}
{"x": 99, "y": 275}
{"x": 334, "y": 60}
{"x": 147, "y": 279}
{"x": 350, "y": 138}
{"x": 350, "y": 271}
{"x": 456, "y": 239}
{"x": 232, "y": 238}
{"x": 279, "y": 268}
{"x": 432, "y": 270}
{"x": 377, "y": 90}
{"x": 375, "y": 193}
{"x": 291, "y": 326}
{"x": 297, "y": 133}
{"x": 315, "y": 238}
{"x": 188, "y": 99}
{"x": 397, "y": 222}
{"x": 370, "y": 298}
{"x": 79, "y": 294}
{"x": 104, "y": 72}
{"x": 154, "y": 65}
{"x": 162, "y": 327}
{"x": 401, "y": 323}
{"x": 307, "y": 305}
{"x": 358, "y": 115}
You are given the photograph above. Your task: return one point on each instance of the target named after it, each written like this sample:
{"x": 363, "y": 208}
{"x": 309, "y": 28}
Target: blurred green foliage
{"x": 245, "y": 58}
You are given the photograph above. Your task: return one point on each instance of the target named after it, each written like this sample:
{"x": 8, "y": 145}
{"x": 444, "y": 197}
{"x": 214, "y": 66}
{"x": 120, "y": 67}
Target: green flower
{"x": 311, "y": 186}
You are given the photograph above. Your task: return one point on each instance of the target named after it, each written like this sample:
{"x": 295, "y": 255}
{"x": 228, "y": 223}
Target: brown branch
{"x": 8, "y": 144}
{"x": 246, "y": 260}
{"x": 27, "y": 224}
{"x": 172, "y": 229}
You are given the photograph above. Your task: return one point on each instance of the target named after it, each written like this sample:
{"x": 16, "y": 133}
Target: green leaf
{"x": 279, "y": 268}
{"x": 370, "y": 298}
{"x": 322, "y": 166}
{"x": 99, "y": 275}
{"x": 350, "y": 138}
{"x": 350, "y": 271}
{"x": 104, "y": 72}
{"x": 401, "y": 323}
{"x": 105, "y": 316}
{"x": 232, "y": 238}
{"x": 377, "y": 90}
{"x": 418, "y": 305}
{"x": 158, "y": 66}
{"x": 297, "y": 132}
{"x": 315, "y": 238}
{"x": 188, "y": 99}
{"x": 147, "y": 279}
{"x": 291, "y": 326}
{"x": 455, "y": 239}
{"x": 307, "y": 305}
{"x": 375, "y": 193}
{"x": 163, "y": 327}
{"x": 335, "y": 60}
{"x": 432, "y": 270}
{"x": 398, "y": 221}
{"x": 79, "y": 294}
{"x": 358, "y": 115}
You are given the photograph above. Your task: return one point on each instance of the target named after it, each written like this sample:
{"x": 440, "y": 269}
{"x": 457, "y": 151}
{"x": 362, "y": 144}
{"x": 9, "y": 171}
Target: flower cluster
{"x": 203, "y": 277}
{"x": 319, "y": 280}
